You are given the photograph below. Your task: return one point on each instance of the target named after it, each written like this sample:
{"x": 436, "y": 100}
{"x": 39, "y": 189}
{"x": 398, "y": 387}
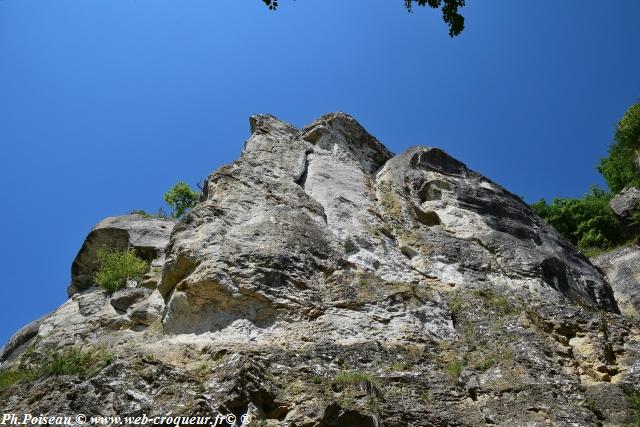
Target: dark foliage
{"x": 450, "y": 11}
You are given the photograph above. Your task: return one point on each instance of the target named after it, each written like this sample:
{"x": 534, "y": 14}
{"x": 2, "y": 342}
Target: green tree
{"x": 181, "y": 198}
{"x": 587, "y": 222}
{"x": 620, "y": 168}
{"x": 116, "y": 267}
{"x": 450, "y": 11}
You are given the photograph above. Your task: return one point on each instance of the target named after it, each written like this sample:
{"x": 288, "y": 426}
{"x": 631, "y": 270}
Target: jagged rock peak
{"x": 334, "y": 131}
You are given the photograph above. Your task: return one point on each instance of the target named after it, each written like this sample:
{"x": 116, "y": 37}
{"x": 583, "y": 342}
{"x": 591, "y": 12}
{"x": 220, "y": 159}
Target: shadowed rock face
{"x": 323, "y": 281}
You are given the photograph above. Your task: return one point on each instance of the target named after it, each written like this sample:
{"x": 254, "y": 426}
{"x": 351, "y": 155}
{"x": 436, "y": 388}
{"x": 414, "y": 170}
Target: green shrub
{"x": 181, "y": 198}
{"x": 400, "y": 366}
{"x": 75, "y": 361}
{"x": 454, "y": 369}
{"x": 634, "y": 400}
{"x": 14, "y": 376}
{"x": 619, "y": 168}
{"x": 72, "y": 361}
{"x": 587, "y": 222}
{"x": 497, "y": 302}
{"x": 116, "y": 267}
{"x": 354, "y": 378}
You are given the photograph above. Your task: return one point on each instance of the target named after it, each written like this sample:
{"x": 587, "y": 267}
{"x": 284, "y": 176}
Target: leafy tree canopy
{"x": 620, "y": 168}
{"x": 587, "y": 222}
{"x": 450, "y": 11}
{"x": 181, "y": 198}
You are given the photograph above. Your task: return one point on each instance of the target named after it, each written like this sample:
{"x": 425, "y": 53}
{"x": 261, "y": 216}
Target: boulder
{"x": 122, "y": 299}
{"x": 147, "y": 236}
{"x": 147, "y": 310}
{"x": 626, "y": 206}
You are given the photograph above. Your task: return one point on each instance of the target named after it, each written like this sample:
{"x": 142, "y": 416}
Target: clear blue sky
{"x": 104, "y": 104}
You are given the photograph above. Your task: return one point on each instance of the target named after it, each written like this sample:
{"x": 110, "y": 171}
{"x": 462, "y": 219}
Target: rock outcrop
{"x": 323, "y": 281}
{"x": 626, "y": 206}
{"x": 147, "y": 236}
{"x": 622, "y": 269}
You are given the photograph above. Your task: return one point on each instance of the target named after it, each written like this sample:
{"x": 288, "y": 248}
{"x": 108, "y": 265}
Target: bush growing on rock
{"x": 181, "y": 198}
{"x": 116, "y": 267}
{"x": 72, "y": 361}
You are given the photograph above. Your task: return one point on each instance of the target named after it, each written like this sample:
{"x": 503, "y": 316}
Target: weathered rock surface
{"x": 626, "y": 206}
{"x": 19, "y": 341}
{"x": 622, "y": 268}
{"x": 323, "y": 281}
{"x": 147, "y": 236}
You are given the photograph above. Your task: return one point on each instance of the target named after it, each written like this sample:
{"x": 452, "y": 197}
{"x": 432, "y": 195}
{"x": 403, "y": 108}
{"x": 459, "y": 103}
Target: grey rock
{"x": 20, "y": 340}
{"x": 483, "y": 235}
{"x": 124, "y": 298}
{"x": 626, "y": 205}
{"x": 622, "y": 268}
{"x": 147, "y": 236}
{"x": 148, "y": 310}
{"x": 300, "y": 208}
{"x": 151, "y": 279}
{"x": 323, "y": 281}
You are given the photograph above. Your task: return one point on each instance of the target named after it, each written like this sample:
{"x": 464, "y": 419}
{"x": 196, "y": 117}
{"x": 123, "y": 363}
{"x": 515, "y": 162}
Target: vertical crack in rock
{"x": 301, "y": 179}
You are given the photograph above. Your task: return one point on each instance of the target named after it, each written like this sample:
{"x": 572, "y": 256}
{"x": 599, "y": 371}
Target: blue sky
{"x": 104, "y": 104}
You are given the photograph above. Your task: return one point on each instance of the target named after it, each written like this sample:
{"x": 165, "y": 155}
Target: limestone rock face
{"x": 300, "y": 210}
{"x": 626, "y": 206}
{"x": 323, "y": 281}
{"x": 147, "y": 236}
{"x": 622, "y": 268}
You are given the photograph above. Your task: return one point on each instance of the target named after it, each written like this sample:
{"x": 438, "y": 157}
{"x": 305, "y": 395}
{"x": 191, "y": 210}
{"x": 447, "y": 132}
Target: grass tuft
{"x": 72, "y": 361}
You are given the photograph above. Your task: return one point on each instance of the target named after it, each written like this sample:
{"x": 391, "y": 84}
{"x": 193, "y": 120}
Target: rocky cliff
{"x": 323, "y": 281}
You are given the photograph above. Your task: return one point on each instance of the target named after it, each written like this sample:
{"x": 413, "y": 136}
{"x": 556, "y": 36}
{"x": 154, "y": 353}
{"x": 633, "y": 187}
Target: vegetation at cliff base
{"x": 116, "y": 267}
{"x": 181, "y": 198}
{"x": 587, "y": 222}
{"x": 14, "y": 376}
